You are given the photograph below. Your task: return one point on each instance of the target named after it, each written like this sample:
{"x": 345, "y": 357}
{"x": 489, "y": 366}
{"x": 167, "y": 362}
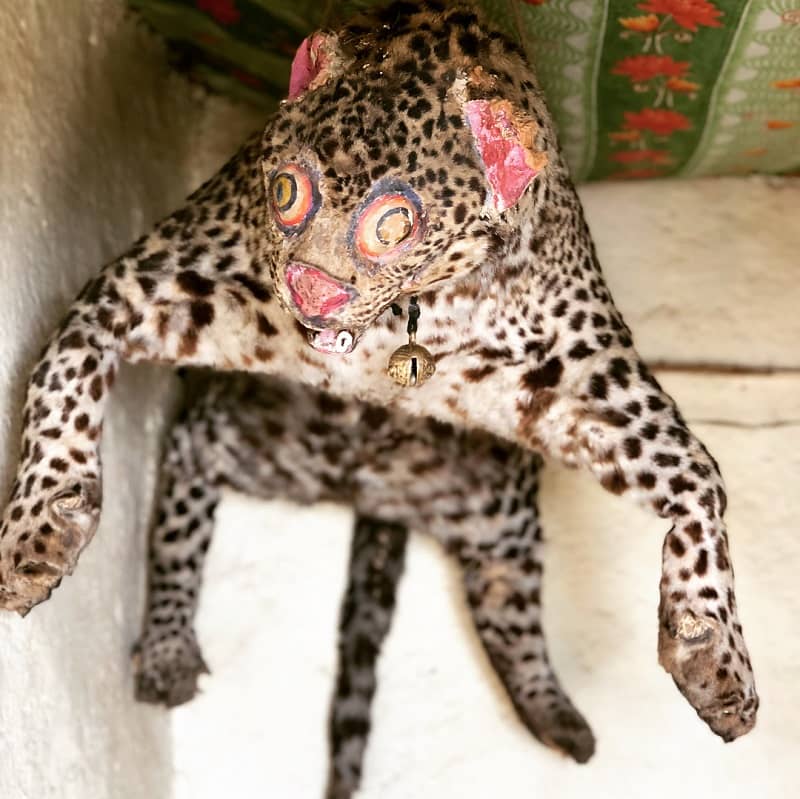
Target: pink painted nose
{"x": 316, "y": 294}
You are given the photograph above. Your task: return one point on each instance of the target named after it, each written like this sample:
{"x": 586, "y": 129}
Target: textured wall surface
{"x": 97, "y": 139}
{"x": 706, "y": 274}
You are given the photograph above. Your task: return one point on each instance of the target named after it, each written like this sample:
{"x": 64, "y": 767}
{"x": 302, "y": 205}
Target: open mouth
{"x": 317, "y": 296}
{"x": 332, "y": 342}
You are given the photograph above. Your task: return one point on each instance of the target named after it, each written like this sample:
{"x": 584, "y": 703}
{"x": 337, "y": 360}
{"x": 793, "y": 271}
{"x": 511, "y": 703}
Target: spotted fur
{"x": 473, "y": 493}
{"x": 377, "y": 559}
{"x": 528, "y": 343}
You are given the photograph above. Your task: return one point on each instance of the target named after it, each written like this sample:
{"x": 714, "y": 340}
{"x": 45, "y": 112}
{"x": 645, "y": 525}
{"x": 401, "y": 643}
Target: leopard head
{"x": 401, "y": 160}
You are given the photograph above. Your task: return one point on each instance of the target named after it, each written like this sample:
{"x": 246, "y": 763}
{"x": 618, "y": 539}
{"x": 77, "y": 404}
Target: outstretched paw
{"x": 554, "y": 720}
{"x": 42, "y": 537}
{"x": 167, "y": 667}
{"x": 710, "y": 666}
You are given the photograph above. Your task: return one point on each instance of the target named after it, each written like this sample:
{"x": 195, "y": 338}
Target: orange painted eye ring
{"x": 389, "y": 224}
{"x": 293, "y": 197}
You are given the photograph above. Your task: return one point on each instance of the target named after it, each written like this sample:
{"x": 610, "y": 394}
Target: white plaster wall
{"x": 98, "y": 138}
{"x": 705, "y": 272}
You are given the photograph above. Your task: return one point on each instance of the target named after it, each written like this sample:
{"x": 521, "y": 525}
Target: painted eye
{"x": 385, "y": 224}
{"x": 293, "y": 196}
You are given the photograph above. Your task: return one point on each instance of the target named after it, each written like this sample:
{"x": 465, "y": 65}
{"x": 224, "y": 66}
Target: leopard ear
{"x": 313, "y": 63}
{"x": 505, "y": 140}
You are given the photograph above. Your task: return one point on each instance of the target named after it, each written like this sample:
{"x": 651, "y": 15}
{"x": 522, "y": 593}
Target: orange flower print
{"x": 689, "y": 14}
{"x": 641, "y": 68}
{"x": 779, "y": 124}
{"x": 680, "y": 85}
{"x": 791, "y": 83}
{"x": 624, "y": 135}
{"x": 646, "y": 23}
{"x": 659, "y": 121}
{"x": 637, "y": 156}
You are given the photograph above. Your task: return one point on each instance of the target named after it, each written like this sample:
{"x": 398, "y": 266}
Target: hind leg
{"x": 167, "y": 657}
{"x": 500, "y": 553}
{"x": 238, "y": 433}
{"x": 377, "y": 558}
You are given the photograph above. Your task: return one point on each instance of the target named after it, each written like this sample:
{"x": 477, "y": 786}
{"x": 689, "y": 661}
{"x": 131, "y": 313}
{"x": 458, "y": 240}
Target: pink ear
{"x": 505, "y": 144}
{"x": 312, "y": 60}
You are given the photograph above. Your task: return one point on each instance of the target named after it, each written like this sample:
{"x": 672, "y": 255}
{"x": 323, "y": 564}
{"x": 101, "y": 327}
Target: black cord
{"x": 413, "y": 316}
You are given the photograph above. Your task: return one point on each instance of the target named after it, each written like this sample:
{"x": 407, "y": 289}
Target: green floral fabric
{"x": 639, "y": 88}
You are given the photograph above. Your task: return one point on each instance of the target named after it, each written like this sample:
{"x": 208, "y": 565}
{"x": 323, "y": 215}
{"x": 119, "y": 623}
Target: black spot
{"x": 256, "y": 288}
{"x": 619, "y": 371}
{"x": 96, "y": 388}
{"x": 153, "y": 262}
{"x": 374, "y": 416}
{"x": 665, "y": 459}
{"x": 194, "y": 255}
{"x": 634, "y": 408}
{"x": 679, "y": 484}
{"x": 89, "y": 365}
{"x": 680, "y": 434}
{"x": 225, "y": 262}
{"x": 577, "y": 320}
{"x": 493, "y": 508}
{"x": 633, "y": 448}
{"x": 598, "y": 386}
{"x": 265, "y": 327}
{"x": 649, "y": 431}
{"x": 468, "y": 42}
{"x": 580, "y": 351}
{"x": 646, "y": 480}
{"x": 676, "y": 545}
{"x": 194, "y": 283}
{"x": 147, "y": 284}
{"x": 547, "y": 376}
{"x": 73, "y": 341}
{"x": 202, "y": 313}
{"x": 615, "y": 417}
{"x": 614, "y": 482}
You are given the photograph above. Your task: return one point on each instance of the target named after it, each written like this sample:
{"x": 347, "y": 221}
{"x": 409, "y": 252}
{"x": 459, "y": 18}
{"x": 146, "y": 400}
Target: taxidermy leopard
{"x": 414, "y": 157}
{"x": 472, "y": 492}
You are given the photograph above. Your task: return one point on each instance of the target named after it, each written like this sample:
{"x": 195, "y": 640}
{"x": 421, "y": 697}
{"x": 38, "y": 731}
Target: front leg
{"x": 189, "y": 293}
{"x": 613, "y": 418}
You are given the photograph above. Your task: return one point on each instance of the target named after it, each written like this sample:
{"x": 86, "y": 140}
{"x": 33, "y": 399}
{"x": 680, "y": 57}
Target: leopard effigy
{"x": 414, "y": 157}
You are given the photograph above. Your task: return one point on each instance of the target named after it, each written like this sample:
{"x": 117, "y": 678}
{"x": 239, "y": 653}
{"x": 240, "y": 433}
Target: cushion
{"x": 638, "y": 89}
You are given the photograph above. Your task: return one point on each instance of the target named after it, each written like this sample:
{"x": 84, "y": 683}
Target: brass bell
{"x": 411, "y": 364}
